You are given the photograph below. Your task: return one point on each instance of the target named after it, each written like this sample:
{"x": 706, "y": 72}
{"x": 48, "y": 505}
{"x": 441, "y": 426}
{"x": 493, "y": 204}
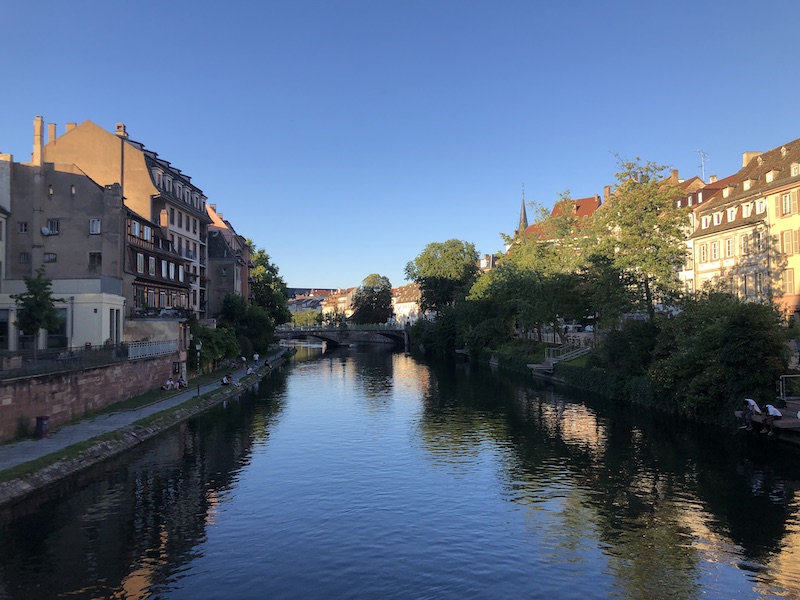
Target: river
{"x": 364, "y": 473}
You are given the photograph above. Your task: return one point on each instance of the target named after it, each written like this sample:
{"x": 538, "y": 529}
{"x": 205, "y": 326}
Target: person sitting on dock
{"x": 773, "y": 414}
{"x": 168, "y": 384}
{"x": 746, "y": 416}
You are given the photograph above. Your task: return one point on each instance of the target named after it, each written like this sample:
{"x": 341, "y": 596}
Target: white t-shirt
{"x": 772, "y": 411}
{"x": 753, "y": 405}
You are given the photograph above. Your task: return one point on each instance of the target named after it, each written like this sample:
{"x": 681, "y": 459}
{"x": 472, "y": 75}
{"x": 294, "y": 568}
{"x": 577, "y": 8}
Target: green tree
{"x": 373, "y": 300}
{"x": 445, "y": 273}
{"x": 642, "y": 231}
{"x": 36, "y": 306}
{"x": 268, "y": 288}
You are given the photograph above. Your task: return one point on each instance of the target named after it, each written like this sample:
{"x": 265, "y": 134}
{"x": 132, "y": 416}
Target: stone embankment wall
{"x": 68, "y": 395}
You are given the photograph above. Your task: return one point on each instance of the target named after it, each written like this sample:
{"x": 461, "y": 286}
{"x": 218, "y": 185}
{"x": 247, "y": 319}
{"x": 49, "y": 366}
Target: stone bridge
{"x": 339, "y": 336}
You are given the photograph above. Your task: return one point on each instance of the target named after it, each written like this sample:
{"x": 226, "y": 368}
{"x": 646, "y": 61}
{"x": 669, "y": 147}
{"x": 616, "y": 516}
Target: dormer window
{"x": 760, "y": 206}
{"x": 747, "y": 210}
{"x": 717, "y": 218}
{"x": 726, "y": 192}
{"x": 699, "y": 197}
{"x": 731, "y": 215}
{"x": 795, "y": 169}
{"x": 705, "y": 221}
{"x": 784, "y": 151}
{"x": 770, "y": 176}
{"x": 746, "y": 184}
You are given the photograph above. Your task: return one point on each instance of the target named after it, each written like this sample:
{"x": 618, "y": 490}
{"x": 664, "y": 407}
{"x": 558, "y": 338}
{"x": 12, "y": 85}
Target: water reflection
{"x": 400, "y": 479}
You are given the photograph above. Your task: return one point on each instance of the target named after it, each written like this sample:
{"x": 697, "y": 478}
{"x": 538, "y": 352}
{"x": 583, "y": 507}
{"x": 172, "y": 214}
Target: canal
{"x": 363, "y": 473}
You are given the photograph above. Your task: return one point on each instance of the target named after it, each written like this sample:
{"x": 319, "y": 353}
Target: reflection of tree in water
{"x": 372, "y": 369}
{"x": 648, "y": 489}
{"x": 146, "y": 513}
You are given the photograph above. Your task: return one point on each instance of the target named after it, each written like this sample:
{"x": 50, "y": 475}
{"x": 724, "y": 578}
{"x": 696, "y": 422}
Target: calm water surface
{"x": 365, "y": 474}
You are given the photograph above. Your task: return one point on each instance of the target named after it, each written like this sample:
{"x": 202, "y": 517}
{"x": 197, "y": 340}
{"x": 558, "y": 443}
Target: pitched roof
{"x": 582, "y": 207}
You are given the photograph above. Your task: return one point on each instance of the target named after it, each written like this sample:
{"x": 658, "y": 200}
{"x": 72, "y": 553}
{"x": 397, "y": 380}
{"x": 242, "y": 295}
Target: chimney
{"x": 748, "y": 156}
{"x": 121, "y": 130}
{"x": 51, "y": 132}
{"x": 673, "y": 178}
{"x": 606, "y": 193}
{"x": 712, "y": 179}
{"x": 70, "y": 127}
{"x": 38, "y": 132}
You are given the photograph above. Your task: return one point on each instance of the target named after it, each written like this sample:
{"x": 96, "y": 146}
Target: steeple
{"x": 523, "y": 216}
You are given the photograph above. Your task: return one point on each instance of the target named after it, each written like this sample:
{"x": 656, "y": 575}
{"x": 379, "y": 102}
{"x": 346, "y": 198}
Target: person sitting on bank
{"x": 169, "y": 384}
{"x": 181, "y": 383}
{"x": 746, "y": 416}
{"x": 225, "y": 380}
{"x": 773, "y": 414}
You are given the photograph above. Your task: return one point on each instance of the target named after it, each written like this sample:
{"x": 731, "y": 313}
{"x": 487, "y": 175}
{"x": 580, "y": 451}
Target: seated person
{"x": 746, "y": 416}
{"x": 773, "y": 414}
{"x": 225, "y": 380}
{"x": 249, "y": 370}
{"x": 169, "y": 384}
{"x": 753, "y": 406}
{"x": 181, "y": 383}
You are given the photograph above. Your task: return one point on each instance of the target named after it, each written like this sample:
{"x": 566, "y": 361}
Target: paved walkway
{"x": 17, "y": 453}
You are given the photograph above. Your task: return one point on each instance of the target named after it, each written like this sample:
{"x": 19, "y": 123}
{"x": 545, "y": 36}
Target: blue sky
{"x": 344, "y": 136}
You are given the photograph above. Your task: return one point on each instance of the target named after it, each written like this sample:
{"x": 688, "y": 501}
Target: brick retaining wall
{"x": 67, "y": 395}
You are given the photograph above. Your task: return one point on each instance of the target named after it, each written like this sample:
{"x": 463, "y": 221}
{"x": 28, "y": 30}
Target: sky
{"x": 343, "y": 136}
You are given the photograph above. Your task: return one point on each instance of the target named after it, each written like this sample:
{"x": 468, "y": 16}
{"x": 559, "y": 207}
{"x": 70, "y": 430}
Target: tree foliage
{"x": 445, "y": 273}
{"x": 268, "y": 288}
{"x": 36, "y": 306}
{"x": 372, "y": 302}
{"x": 641, "y": 231}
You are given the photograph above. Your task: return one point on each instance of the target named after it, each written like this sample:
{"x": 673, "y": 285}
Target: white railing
{"x": 148, "y": 349}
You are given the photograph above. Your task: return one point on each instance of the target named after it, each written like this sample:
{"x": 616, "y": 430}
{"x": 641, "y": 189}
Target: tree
{"x": 268, "y": 288}
{"x": 642, "y": 231}
{"x": 36, "y": 306}
{"x": 445, "y": 273}
{"x": 373, "y": 300}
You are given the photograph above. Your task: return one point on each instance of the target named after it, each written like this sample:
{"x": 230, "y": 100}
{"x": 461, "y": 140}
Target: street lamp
{"x": 197, "y": 347}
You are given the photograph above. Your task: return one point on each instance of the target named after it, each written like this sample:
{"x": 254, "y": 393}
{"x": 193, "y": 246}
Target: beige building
{"x": 746, "y": 229}
{"x": 405, "y": 303}
{"x": 151, "y": 187}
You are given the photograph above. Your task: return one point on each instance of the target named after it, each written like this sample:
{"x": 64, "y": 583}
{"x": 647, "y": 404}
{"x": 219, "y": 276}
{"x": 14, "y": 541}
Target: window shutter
{"x": 794, "y": 202}
{"x": 796, "y": 240}
{"x": 778, "y": 210}
{"x": 789, "y": 276}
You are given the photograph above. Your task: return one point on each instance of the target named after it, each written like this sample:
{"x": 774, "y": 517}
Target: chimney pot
{"x": 121, "y": 130}
{"x": 712, "y": 179}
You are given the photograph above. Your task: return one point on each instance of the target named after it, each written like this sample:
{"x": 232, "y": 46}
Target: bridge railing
{"x": 349, "y": 327}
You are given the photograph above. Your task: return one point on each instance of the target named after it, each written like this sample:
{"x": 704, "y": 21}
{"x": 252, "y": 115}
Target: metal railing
{"x": 25, "y": 363}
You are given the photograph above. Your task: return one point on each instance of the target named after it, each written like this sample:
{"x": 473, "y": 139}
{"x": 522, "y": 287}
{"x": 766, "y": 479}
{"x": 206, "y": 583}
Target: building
{"x": 405, "y": 303}
{"x": 151, "y": 187}
{"x": 228, "y": 270}
{"x": 54, "y": 217}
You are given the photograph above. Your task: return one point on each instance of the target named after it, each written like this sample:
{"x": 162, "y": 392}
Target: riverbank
{"x": 36, "y": 464}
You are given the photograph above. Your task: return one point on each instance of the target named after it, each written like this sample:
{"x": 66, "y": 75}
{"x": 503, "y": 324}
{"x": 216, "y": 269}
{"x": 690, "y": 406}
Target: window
{"x": 714, "y": 250}
{"x": 758, "y": 283}
{"x": 757, "y": 241}
{"x": 147, "y": 233}
{"x": 194, "y": 225}
{"x": 172, "y": 270}
{"x": 168, "y": 184}
{"x": 704, "y": 222}
{"x": 703, "y": 253}
{"x": 717, "y": 218}
{"x": 135, "y": 228}
{"x": 180, "y": 273}
{"x": 795, "y": 170}
{"x": 746, "y": 185}
{"x": 94, "y": 226}
{"x": 172, "y": 216}
{"x": 24, "y": 258}
{"x": 760, "y": 205}
{"x": 731, "y": 215}
{"x": 745, "y": 244}
{"x": 151, "y": 264}
{"x": 786, "y": 204}
{"x": 22, "y": 227}
{"x": 50, "y": 257}
{"x": 95, "y": 259}
{"x": 139, "y": 262}
{"x": 729, "y": 247}
{"x": 790, "y": 242}
{"x": 164, "y": 269}
{"x": 52, "y": 225}
{"x": 159, "y": 180}
{"x": 788, "y": 282}
{"x": 180, "y": 219}
{"x": 747, "y": 210}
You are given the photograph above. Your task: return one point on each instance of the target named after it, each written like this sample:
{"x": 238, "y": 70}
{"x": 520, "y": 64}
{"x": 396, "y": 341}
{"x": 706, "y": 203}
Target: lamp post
{"x": 197, "y": 347}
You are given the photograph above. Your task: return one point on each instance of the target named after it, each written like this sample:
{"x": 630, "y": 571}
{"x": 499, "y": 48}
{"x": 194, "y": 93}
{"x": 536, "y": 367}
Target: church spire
{"x": 523, "y": 216}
